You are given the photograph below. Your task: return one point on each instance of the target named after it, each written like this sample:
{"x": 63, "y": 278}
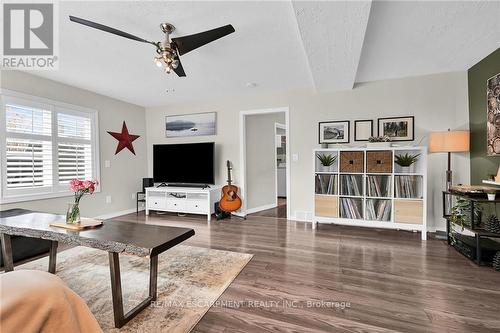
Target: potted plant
{"x": 326, "y": 161}
{"x": 379, "y": 141}
{"x": 79, "y": 187}
{"x": 406, "y": 161}
{"x": 491, "y": 193}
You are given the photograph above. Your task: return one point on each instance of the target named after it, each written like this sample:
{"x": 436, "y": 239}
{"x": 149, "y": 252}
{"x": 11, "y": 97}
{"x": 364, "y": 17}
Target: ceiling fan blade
{"x": 186, "y": 44}
{"x": 108, "y": 29}
{"x": 179, "y": 70}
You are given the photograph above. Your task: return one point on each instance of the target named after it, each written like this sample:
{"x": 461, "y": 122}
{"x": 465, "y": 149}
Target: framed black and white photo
{"x": 397, "y": 128}
{"x": 195, "y": 124}
{"x": 334, "y": 132}
{"x": 363, "y": 130}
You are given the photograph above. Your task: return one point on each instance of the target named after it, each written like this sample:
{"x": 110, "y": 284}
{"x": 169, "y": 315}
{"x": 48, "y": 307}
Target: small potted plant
{"x": 491, "y": 193}
{"x": 406, "y": 161}
{"x": 326, "y": 161}
{"x": 379, "y": 141}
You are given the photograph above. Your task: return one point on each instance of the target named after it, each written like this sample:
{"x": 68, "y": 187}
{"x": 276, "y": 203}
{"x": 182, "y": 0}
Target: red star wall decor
{"x": 124, "y": 139}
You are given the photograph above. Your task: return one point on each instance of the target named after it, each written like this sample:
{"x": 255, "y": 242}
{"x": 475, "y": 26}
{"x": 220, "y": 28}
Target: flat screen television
{"x": 187, "y": 163}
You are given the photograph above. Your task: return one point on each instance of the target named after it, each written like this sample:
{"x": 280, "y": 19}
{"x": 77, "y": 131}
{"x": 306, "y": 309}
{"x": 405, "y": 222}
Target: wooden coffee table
{"x": 114, "y": 237}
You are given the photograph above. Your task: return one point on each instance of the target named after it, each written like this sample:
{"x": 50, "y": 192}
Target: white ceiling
{"x": 280, "y": 46}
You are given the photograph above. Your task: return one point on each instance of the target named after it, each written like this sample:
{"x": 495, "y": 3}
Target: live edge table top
{"x": 113, "y": 236}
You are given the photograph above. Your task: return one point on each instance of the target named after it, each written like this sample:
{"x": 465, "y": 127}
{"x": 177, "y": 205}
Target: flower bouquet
{"x": 79, "y": 187}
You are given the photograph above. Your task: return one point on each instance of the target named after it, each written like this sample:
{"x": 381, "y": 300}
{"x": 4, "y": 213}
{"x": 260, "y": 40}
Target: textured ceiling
{"x": 425, "y": 37}
{"x": 280, "y": 46}
{"x": 332, "y": 35}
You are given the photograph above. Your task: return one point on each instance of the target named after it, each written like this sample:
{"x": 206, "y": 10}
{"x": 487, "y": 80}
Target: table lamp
{"x": 449, "y": 142}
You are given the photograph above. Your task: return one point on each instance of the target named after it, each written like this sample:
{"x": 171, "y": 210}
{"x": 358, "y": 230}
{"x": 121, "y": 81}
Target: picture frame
{"x": 493, "y": 115}
{"x": 334, "y": 131}
{"x": 397, "y": 128}
{"x": 363, "y": 130}
{"x": 193, "y": 124}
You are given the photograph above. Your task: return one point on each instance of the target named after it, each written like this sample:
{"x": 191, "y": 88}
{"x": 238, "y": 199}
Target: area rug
{"x": 190, "y": 280}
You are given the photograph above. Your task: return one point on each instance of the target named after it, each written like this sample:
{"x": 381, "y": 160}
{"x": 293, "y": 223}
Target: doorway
{"x": 265, "y": 162}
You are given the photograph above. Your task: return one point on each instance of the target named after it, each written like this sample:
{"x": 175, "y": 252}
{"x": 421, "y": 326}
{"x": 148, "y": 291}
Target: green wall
{"x": 480, "y": 164}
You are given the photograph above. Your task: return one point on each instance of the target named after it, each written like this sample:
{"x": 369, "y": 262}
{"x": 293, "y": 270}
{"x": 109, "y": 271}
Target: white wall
{"x": 261, "y": 158}
{"x": 437, "y": 101}
{"x": 123, "y": 178}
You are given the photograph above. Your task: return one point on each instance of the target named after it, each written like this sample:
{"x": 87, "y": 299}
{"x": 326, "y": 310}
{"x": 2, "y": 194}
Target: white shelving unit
{"x": 404, "y": 209}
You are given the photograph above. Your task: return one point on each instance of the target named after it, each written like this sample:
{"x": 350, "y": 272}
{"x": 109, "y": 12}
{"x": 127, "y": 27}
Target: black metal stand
{"x": 116, "y": 289}
{"x": 480, "y": 235}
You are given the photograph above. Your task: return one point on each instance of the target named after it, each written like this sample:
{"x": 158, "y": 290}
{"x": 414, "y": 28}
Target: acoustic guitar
{"x": 229, "y": 201}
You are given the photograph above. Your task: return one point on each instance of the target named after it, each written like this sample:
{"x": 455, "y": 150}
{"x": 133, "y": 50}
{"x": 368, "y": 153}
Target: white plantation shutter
{"x": 44, "y": 145}
{"x": 29, "y": 163}
{"x": 75, "y": 161}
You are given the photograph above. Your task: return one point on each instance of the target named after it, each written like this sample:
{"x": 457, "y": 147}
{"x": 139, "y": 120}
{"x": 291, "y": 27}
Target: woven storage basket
{"x": 379, "y": 161}
{"x": 352, "y": 161}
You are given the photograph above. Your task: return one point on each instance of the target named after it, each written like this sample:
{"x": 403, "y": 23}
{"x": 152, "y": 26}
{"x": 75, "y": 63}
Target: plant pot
{"x": 491, "y": 196}
{"x": 405, "y": 169}
{"x": 378, "y": 144}
{"x": 326, "y": 168}
{"x": 73, "y": 213}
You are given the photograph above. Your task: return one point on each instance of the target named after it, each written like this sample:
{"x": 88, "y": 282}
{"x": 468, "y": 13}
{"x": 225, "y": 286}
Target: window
{"x": 45, "y": 144}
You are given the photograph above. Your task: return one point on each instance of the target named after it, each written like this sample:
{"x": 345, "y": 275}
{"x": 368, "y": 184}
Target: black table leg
{"x": 8, "y": 263}
{"x": 116, "y": 289}
{"x": 478, "y": 249}
{"x": 52, "y": 257}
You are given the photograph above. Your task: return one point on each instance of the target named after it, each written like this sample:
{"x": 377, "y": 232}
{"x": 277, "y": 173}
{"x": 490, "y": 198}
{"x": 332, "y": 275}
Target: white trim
{"x": 243, "y": 152}
{"x": 118, "y": 213}
{"x": 276, "y": 127}
{"x": 55, "y": 107}
{"x": 261, "y": 208}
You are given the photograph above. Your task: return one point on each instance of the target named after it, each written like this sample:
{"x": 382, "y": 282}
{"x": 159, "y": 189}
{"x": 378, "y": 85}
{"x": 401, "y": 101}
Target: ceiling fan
{"x": 171, "y": 48}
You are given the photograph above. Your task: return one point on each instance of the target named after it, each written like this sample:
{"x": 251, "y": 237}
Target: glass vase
{"x": 73, "y": 213}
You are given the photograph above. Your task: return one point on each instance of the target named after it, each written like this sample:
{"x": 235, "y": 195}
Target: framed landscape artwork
{"x": 334, "y": 132}
{"x": 397, "y": 128}
{"x": 493, "y": 120}
{"x": 363, "y": 130}
{"x": 195, "y": 124}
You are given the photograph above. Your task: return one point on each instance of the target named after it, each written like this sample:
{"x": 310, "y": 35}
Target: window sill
{"x": 35, "y": 197}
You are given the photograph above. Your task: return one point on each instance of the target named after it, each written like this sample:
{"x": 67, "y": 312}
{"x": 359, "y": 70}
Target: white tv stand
{"x": 189, "y": 200}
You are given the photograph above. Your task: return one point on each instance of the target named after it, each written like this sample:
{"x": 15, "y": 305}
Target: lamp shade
{"x": 449, "y": 141}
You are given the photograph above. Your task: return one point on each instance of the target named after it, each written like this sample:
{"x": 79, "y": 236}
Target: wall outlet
{"x": 108, "y": 199}
{"x": 107, "y": 163}
{"x": 133, "y": 195}
{"x": 295, "y": 157}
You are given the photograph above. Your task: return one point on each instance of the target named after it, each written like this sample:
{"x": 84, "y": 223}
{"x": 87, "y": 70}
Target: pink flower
{"x": 75, "y": 185}
{"x": 83, "y": 186}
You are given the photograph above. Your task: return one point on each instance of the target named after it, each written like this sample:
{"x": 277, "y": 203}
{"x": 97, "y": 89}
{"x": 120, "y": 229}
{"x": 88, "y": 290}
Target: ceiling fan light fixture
{"x": 158, "y": 62}
{"x": 171, "y": 49}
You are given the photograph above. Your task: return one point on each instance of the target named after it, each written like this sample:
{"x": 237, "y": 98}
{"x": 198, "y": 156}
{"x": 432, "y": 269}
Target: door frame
{"x": 243, "y": 154}
{"x": 276, "y": 127}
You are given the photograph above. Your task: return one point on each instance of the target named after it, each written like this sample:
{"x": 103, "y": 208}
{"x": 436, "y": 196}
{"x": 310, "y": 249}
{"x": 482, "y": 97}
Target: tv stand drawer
{"x": 176, "y": 205}
{"x": 196, "y": 206}
{"x": 155, "y": 202}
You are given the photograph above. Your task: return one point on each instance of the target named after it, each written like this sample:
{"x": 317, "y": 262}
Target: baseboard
{"x": 118, "y": 213}
{"x": 260, "y": 208}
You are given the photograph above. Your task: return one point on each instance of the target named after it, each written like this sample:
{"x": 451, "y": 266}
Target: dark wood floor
{"x": 279, "y": 211}
{"x": 392, "y": 281}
